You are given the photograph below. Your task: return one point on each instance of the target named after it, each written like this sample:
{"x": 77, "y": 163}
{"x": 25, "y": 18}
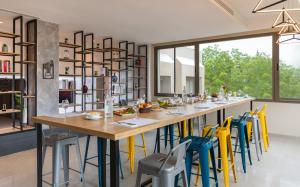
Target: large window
{"x": 244, "y": 66}
{"x": 176, "y": 70}
{"x": 289, "y": 71}
{"x": 254, "y": 65}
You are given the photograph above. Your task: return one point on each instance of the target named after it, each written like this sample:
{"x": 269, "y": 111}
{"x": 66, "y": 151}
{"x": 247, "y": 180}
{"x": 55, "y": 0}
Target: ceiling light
{"x": 1, "y": 22}
{"x": 264, "y": 9}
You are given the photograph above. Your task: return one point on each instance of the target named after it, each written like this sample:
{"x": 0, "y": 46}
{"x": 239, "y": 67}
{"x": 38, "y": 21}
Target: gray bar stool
{"x": 256, "y": 133}
{"x": 164, "y": 167}
{"x": 60, "y": 140}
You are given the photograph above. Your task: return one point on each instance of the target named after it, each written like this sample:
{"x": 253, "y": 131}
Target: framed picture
{"x": 48, "y": 70}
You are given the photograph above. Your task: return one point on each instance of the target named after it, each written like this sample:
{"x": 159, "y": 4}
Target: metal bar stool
{"x": 253, "y": 129}
{"x": 242, "y": 137}
{"x": 164, "y": 167}
{"x": 60, "y": 141}
{"x": 86, "y": 158}
{"x": 203, "y": 146}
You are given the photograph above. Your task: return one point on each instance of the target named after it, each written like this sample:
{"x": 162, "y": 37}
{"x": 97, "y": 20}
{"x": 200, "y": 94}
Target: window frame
{"x": 275, "y": 62}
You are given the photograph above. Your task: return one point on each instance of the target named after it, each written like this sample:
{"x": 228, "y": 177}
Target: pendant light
{"x": 267, "y": 8}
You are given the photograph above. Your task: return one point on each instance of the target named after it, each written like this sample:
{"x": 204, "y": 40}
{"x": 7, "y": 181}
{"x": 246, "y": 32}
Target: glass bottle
{"x": 184, "y": 96}
{"x": 108, "y": 106}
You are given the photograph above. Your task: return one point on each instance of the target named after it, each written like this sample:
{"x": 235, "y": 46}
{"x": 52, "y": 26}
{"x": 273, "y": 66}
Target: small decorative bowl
{"x": 145, "y": 110}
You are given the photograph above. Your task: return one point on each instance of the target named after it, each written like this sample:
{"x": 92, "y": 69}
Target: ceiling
{"x": 147, "y": 21}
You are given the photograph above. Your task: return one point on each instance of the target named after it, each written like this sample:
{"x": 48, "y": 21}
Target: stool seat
{"x": 153, "y": 163}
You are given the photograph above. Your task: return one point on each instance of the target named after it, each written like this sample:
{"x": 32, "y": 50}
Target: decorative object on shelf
{"x": 67, "y": 70}
{"x": 113, "y": 89}
{"x": 0, "y": 65}
{"x": 136, "y": 85}
{"x": 8, "y": 66}
{"x": 48, "y": 70}
{"x": 96, "y": 73}
{"x": 85, "y": 88}
{"x": 114, "y": 78}
{"x": 98, "y": 46}
{"x": 66, "y": 54}
{"x": 3, "y": 107}
{"x": 4, "y": 48}
{"x": 115, "y": 55}
{"x": 138, "y": 62}
{"x": 66, "y": 40}
{"x": 5, "y": 66}
{"x": 98, "y": 100}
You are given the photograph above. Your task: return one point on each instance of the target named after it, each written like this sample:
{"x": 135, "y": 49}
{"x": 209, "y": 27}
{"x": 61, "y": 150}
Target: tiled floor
{"x": 279, "y": 167}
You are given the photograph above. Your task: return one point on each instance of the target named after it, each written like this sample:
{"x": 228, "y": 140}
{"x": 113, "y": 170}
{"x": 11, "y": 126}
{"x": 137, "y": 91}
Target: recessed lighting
{"x": 1, "y": 22}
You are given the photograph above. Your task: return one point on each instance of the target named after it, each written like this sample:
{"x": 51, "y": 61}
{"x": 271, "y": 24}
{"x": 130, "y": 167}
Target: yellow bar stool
{"x": 264, "y": 128}
{"x": 131, "y": 149}
{"x": 224, "y": 137}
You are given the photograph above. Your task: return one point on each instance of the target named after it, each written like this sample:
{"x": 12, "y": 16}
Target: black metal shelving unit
{"x": 78, "y": 58}
{"x": 139, "y": 65}
{"x": 24, "y": 56}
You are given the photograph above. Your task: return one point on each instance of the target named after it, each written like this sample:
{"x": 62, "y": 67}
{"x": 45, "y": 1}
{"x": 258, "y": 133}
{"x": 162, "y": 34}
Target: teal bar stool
{"x": 202, "y": 146}
{"x": 242, "y": 138}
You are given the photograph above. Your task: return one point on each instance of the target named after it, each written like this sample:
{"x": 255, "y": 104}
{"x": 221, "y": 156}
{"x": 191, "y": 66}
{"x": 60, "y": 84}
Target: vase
{"x": 85, "y": 89}
{"x": 4, "y": 48}
{"x": 114, "y": 78}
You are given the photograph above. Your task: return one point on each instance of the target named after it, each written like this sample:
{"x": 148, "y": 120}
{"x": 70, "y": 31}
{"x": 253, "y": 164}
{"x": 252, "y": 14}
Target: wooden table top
{"x": 107, "y": 128}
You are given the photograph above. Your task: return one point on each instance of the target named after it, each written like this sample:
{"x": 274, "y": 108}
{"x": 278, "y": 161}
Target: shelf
{"x": 25, "y": 43}
{"x": 100, "y": 89}
{"x": 116, "y": 59}
{"x": 119, "y": 83}
{"x": 69, "y": 60}
{"x": 8, "y": 35}
{"x": 140, "y": 66}
{"x": 83, "y": 66}
{"x": 101, "y": 102}
{"x": 117, "y": 70}
{"x": 69, "y": 75}
{"x": 98, "y": 63}
{"x": 9, "y": 111}
{"x": 26, "y": 62}
{"x": 113, "y": 50}
{"x": 67, "y": 45}
{"x": 29, "y": 96}
{"x": 95, "y": 50}
{"x": 83, "y": 52}
{"x": 119, "y": 94}
{"x": 98, "y": 76}
{"x": 10, "y": 92}
{"x": 70, "y": 105}
{"x": 140, "y": 88}
{"x": 137, "y": 56}
{"x": 67, "y": 90}
{"x": 9, "y": 73}
{"x": 135, "y": 77}
{"x": 8, "y": 54}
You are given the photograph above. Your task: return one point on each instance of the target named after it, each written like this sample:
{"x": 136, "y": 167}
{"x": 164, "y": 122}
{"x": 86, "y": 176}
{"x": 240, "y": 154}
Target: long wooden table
{"x": 107, "y": 129}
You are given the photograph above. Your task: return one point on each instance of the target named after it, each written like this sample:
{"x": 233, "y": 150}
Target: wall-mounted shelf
{"x": 9, "y": 111}
{"x": 67, "y": 45}
{"x": 8, "y": 35}
{"x": 9, "y": 54}
{"x": 10, "y": 92}
{"x": 69, "y": 60}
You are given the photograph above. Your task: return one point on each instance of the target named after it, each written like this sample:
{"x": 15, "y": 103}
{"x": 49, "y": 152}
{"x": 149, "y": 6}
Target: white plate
{"x": 92, "y": 117}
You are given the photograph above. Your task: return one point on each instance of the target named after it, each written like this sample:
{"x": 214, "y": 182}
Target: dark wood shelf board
{"x": 9, "y": 111}
{"x": 69, "y": 60}
{"x": 67, "y": 45}
{"x": 69, "y": 75}
{"x": 9, "y": 73}
{"x": 26, "y": 62}
{"x": 9, "y": 54}
{"x": 25, "y": 43}
{"x": 8, "y": 35}
{"x": 113, "y": 50}
{"x": 10, "y": 92}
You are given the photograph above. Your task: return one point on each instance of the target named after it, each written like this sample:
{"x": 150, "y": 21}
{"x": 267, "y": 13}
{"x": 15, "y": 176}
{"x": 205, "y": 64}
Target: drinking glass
{"x": 136, "y": 108}
{"x": 65, "y": 105}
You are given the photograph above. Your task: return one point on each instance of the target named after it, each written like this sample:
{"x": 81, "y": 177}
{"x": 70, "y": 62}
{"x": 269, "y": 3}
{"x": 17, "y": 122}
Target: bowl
{"x": 145, "y": 110}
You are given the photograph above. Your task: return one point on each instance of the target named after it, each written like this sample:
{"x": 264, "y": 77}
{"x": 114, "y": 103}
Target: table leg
{"x": 219, "y": 150}
{"x": 114, "y": 164}
{"x": 101, "y": 143}
{"x": 251, "y": 105}
{"x": 224, "y": 114}
{"x": 190, "y": 127}
{"x": 39, "y": 155}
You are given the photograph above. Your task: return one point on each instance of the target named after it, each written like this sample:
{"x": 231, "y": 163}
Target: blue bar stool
{"x": 86, "y": 158}
{"x": 202, "y": 146}
{"x": 242, "y": 138}
{"x": 168, "y": 136}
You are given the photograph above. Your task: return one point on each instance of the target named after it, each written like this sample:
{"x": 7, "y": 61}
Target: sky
{"x": 289, "y": 53}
